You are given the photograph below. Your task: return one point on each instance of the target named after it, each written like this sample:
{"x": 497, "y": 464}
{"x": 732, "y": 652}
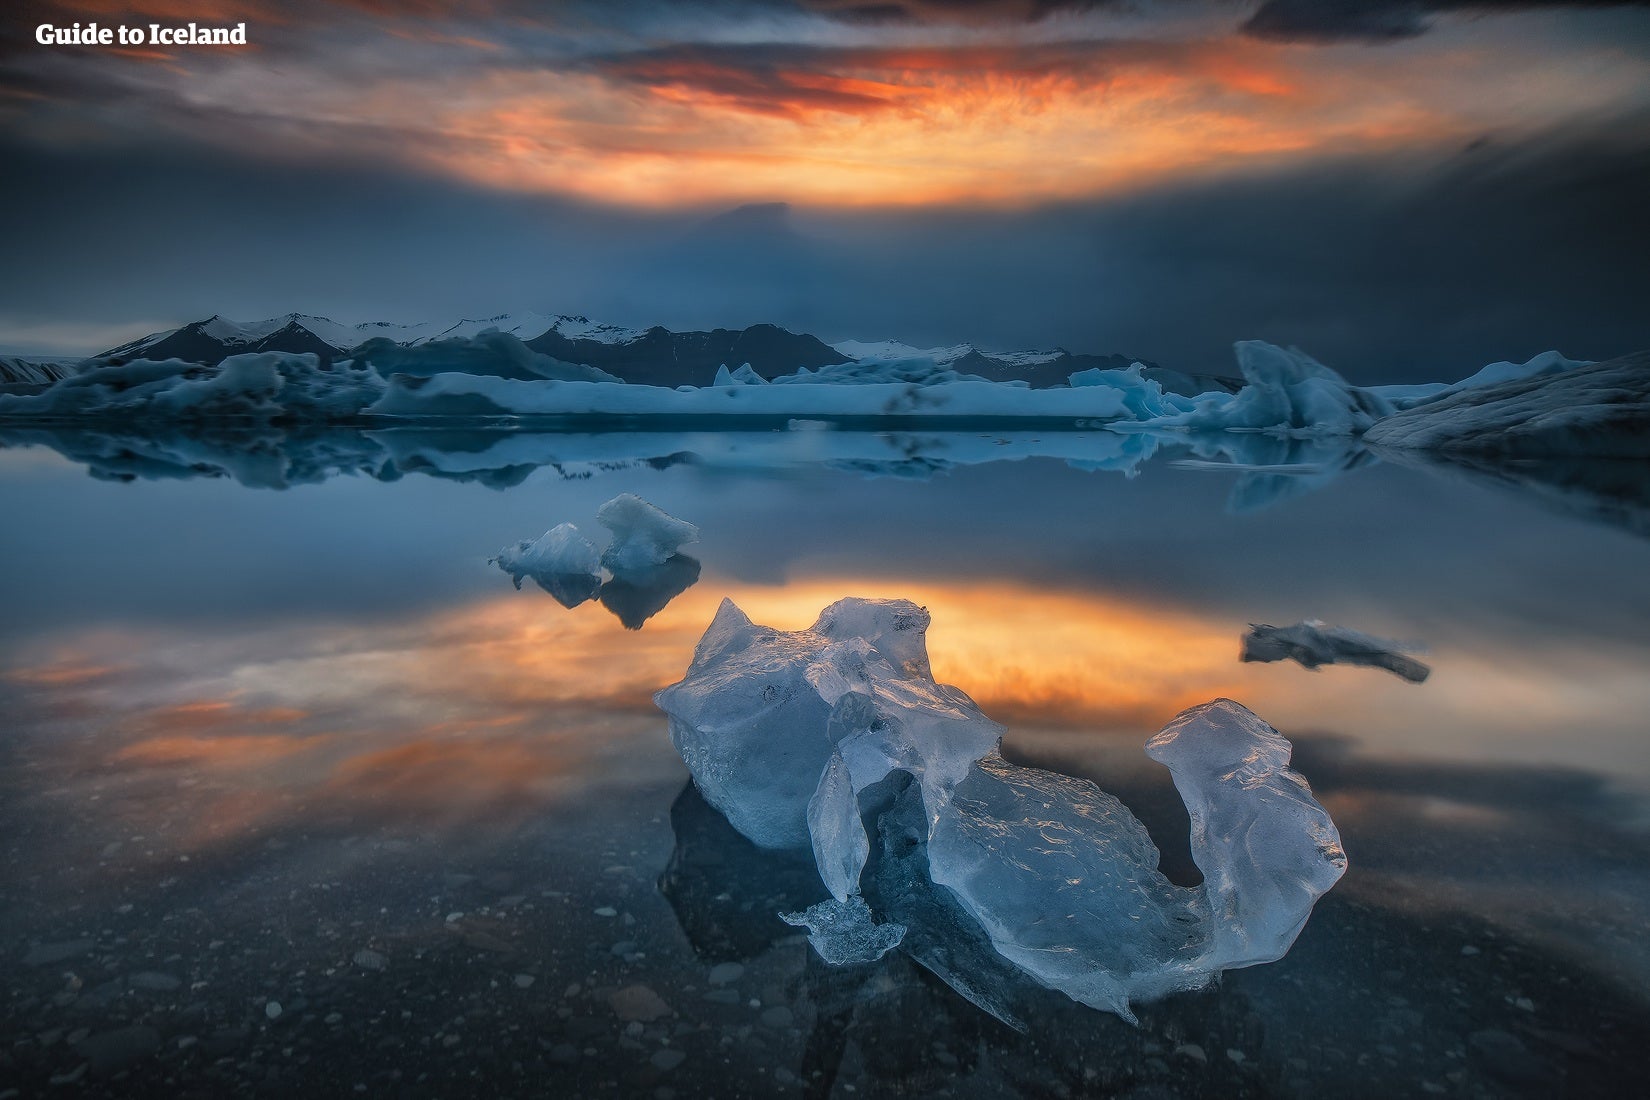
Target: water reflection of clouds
{"x": 492, "y": 707}
{"x": 489, "y": 714}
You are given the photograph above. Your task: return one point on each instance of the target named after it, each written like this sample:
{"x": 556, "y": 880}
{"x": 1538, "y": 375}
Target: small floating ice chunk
{"x": 559, "y": 550}
{"x": 1312, "y": 643}
{"x": 562, "y": 561}
{"x": 643, "y": 535}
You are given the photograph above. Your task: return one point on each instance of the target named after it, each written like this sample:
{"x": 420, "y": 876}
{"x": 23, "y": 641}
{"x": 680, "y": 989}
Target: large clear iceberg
{"x": 837, "y": 738}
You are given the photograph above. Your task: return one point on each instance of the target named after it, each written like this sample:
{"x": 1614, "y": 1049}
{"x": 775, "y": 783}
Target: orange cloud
{"x": 513, "y": 98}
{"x": 911, "y": 126}
{"x": 63, "y": 675}
{"x": 493, "y": 710}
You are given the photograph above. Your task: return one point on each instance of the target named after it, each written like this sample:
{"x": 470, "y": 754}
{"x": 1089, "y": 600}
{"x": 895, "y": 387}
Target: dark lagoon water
{"x": 299, "y": 795}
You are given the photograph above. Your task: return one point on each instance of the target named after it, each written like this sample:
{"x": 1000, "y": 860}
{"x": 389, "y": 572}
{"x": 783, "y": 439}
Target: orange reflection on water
{"x": 1051, "y": 658}
{"x": 494, "y": 709}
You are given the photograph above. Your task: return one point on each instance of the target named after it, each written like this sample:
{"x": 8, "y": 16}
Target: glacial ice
{"x": 1285, "y": 391}
{"x": 843, "y": 932}
{"x": 643, "y": 535}
{"x": 1313, "y": 643}
{"x": 1598, "y": 409}
{"x": 744, "y": 376}
{"x": 561, "y": 561}
{"x": 647, "y": 572}
{"x": 258, "y": 387}
{"x": 802, "y": 738}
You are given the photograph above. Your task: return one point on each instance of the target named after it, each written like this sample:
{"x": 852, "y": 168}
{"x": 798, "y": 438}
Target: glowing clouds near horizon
{"x": 697, "y": 111}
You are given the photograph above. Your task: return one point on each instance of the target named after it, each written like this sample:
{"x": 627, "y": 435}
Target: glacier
{"x": 838, "y": 739}
{"x": 1293, "y": 425}
{"x": 258, "y": 387}
{"x": 1314, "y": 643}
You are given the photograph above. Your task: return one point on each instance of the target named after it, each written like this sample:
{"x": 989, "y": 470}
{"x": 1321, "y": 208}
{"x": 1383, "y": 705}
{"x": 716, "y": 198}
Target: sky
{"x": 1407, "y": 189}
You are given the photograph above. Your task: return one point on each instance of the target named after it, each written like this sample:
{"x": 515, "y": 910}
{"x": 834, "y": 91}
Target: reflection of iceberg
{"x": 636, "y": 595}
{"x": 1613, "y": 491}
{"x": 838, "y": 737}
{"x": 1272, "y": 469}
{"x": 1311, "y": 644}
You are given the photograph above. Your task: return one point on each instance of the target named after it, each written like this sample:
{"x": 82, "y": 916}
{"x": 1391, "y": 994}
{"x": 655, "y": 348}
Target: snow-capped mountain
{"x": 655, "y": 356}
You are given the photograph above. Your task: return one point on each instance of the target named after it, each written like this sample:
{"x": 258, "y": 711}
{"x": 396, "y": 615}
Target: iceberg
{"x": 1313, "y": 643}
{"x": 744, "y": 376}
{"x": 636, "y": 595}
{"x": 1285, "y": 391}
{"x": 1597, "y": 409}
{"x": 647, "y": 572}
{"x": 644, "y": 536}
{"x": 561, "y": 561}
{"x": 838, "y": 738}
{"x": 260, "y": 387}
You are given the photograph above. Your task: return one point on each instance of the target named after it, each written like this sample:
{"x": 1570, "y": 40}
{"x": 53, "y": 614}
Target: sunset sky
{"x": 1366, "y": 178}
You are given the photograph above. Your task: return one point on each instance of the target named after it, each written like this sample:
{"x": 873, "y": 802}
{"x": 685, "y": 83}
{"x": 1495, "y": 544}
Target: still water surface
{"x": 298, "y": 793}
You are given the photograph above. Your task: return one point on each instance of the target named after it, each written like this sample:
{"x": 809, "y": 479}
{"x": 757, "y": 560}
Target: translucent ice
{"x": 1285, "y": 391}
{"x": 562, "y": 561}
{"x": 838, "y": 738}
{"x": 1313, "y": 643}
{"x": 770, "y": 721}
{"x": 643, "y": 535}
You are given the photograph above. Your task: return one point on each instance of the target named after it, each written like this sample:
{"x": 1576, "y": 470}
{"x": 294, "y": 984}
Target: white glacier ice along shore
{"x": 795, "y": 736}
{"x": 491, "y": 375}
{"x": 491, "y": 379}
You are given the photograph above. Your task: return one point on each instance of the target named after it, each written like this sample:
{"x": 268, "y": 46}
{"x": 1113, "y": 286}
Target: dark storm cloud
{"x": 1413, "y": 269}
{"x": 1383, "y": 20}
{"x": 951, "y": 11}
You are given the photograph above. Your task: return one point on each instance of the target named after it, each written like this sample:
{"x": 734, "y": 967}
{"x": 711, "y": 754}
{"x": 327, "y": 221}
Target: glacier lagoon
{"x": 298, "y": 774}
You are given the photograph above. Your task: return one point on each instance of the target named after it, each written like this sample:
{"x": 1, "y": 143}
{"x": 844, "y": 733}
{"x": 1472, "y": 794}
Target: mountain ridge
{"x": 655, "y": 356}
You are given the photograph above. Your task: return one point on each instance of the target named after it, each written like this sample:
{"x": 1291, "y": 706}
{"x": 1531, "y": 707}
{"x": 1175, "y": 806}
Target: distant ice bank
{"x": 491, "y": 377}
